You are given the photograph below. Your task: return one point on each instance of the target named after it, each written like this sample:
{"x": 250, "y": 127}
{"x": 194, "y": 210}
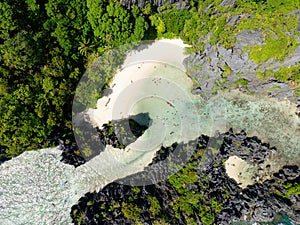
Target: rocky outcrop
{"x": 219, "y": 68}
{"x": 258, "y": 202}
{"x": 121, "y": 133}
{"x": 142, "y": 3}
{"x": 3, "y": 158}
{"x": 225, "y": 3}
{"x": 117, "y": 133}
{"x": 71, "y": 154}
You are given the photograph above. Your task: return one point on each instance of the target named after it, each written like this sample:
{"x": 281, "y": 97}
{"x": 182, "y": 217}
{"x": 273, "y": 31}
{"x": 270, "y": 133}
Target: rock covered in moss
{"x": 158, "y": 203}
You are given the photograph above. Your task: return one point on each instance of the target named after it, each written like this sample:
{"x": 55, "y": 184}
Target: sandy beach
{"x": 137, "y": 66}
{"x": 150, "y": 81}
{"x": 239, "y": 170}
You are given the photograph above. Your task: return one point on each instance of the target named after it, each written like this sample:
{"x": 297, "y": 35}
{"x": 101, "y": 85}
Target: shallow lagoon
{"x": 177, "y": 115}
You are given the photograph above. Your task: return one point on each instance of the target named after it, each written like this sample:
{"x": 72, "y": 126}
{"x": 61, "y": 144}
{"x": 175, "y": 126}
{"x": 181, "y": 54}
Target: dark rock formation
{"x": 71, "y": 154}
{"x": 158, "y": 3}
{"x": 120, "y": 133}
{"x": 216, "y": 67}
{"x": 3, "y": 158}
{"x": 228, "y": 3}
{"x": 258, "y": 202}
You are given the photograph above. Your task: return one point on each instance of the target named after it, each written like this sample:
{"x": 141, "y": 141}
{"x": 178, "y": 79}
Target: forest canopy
{"x": 45, "y": 47}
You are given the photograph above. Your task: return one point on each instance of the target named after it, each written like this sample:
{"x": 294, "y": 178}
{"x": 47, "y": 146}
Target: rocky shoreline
{"x": 219, "y": 68}
{"x": 223, "y": 69}
{"x": 258, "y": 202}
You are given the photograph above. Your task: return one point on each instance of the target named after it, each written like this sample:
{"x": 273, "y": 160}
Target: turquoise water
{"x": 36, "y": 187}
{"x": 178, "y": 115}
{"x": 272, "y": 121}
{"x": 281, "y": 218}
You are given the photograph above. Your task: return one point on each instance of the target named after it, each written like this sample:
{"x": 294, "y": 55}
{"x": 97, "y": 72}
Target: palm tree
{"x": 85, "y": 46}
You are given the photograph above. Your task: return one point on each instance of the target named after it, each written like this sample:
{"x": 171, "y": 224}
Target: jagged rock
{"x": 207, "y": 67}
{"x": 182, "y": 5}
{"x": 228, "y": 3}
{"x": 142, "y": 3}
{"x": 255, "y": 203}
{"x": 249, "y": 37}
{"x": 114, "y": 133}
{"x": 291, "y": 172}
{"x": 292, "y": 60}
{"x": 2, "y": 155}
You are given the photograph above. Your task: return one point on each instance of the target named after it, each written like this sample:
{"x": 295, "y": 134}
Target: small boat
{"x": 170, "y": 104}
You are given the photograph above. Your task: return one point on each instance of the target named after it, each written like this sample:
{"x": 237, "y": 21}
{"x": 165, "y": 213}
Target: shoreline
{"x": 138, "y": 67}
{"x": 132, "y": 93}
{"x": 133, "y": 69}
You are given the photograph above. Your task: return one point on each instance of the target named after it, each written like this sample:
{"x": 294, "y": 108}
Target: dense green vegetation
{"x": 289, "y": 188}
{"x": 190, "y": 203}
{"x": 186, "y": 204}
{"x": 200, "y": 192}
{"x": 46, "y": 46}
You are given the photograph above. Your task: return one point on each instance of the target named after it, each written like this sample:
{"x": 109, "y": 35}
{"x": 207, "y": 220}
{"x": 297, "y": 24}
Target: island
{"x": 149, "y": 112}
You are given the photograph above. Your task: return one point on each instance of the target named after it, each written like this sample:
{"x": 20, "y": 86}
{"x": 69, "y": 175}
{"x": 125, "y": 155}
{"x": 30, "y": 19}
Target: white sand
{"x": 147, "y": 64}
{"x": 239, "y": 170}
{"x": 135, "y": 68}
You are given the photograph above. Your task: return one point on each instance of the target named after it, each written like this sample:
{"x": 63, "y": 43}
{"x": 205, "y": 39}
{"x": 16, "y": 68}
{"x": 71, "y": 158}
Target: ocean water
{"x": 281, "y": 218}
{"x": 37, "y": 188}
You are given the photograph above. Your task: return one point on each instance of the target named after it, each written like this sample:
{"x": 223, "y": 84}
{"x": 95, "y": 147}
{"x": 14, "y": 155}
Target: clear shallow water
{"x": 180, "y": 116}
{"x": 164, "y": 95}
{"x": 36, "y": 188}
{"x": 280, "y": 218}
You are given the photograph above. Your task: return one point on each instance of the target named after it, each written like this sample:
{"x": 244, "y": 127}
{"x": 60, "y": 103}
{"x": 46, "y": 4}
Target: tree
{"x": 68, "y": 24}
{"x": 113, "y": 25}
{"x": 170, "y": 22}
